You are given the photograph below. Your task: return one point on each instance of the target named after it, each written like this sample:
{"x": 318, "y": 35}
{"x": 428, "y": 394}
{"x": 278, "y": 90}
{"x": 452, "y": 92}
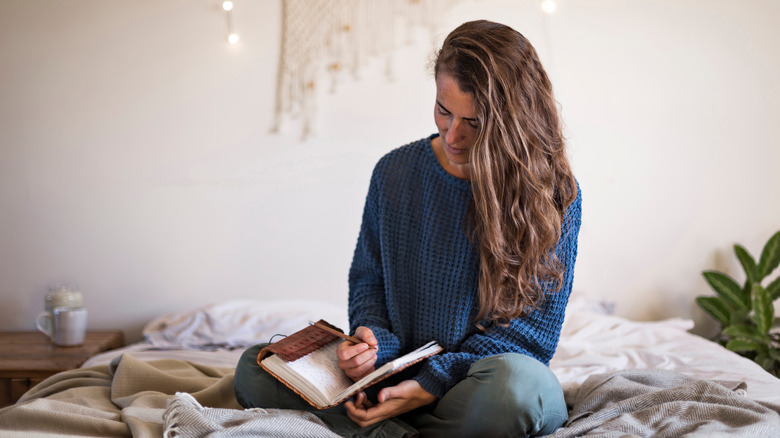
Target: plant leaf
{"x": 766, "y": 362}
{"x": 745, "y": 332}
{"x": 738, "y": 317}
{"x": 774, "y": 289}
{"x": 748, "y": 263}
{"x": 741, "y": 345}
{"x": 770, "y": 257}
{"x": 727, "y": 288}
{"x": 715, "y": 307}
{"x": 763, "y": 310}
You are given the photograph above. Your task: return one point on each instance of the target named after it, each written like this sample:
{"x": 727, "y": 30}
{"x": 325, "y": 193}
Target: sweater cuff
{"x": 431, "y": 384}
{"x": 389, "y": 346}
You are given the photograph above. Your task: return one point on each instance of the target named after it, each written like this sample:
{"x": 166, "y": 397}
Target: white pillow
{"x": 240, "y": 323}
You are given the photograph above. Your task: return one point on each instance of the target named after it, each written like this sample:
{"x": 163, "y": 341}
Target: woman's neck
{"x": 462, "y": 171}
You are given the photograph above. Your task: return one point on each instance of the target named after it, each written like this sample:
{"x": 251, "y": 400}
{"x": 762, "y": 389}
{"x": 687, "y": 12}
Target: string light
{"x": 549, "y": 6}
{"x": 232, "y": 35}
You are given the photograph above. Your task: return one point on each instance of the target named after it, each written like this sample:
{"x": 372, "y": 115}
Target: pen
{"x": 338, "y": 333}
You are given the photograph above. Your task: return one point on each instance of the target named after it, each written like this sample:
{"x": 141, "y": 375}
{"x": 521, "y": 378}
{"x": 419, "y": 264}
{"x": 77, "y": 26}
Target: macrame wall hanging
{"x": 326, "y": 40}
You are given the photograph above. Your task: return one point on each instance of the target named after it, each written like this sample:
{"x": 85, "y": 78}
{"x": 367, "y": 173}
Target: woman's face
{"x": 454, "y": 116}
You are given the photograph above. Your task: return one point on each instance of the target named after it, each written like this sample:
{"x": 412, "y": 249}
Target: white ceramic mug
{"x": 65, "y": 326}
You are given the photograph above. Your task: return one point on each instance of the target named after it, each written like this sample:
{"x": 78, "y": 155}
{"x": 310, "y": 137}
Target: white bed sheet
{"x": 591, "y": 343}
{"x": 599, "y": 344}
{"x": 221, "y": 357}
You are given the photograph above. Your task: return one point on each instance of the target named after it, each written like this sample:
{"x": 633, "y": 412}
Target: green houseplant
{"x": 747, "y": 313}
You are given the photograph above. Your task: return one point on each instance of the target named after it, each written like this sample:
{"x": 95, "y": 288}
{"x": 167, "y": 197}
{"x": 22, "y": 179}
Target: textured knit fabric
{"x": 414, "y": 273}
{"x": 664, "y": 404}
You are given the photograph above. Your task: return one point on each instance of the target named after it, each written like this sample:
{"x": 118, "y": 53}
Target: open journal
{"x": 307, "y": 363}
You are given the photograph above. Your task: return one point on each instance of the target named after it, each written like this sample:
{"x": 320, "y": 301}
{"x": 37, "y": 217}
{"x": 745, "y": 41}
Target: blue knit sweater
{"x": 414, "y": 273}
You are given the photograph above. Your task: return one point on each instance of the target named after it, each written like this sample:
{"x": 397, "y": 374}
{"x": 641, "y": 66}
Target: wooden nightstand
{"x": 27, "y": 358}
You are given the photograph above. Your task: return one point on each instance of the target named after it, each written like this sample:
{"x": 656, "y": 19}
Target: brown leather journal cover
{"x": 301, "y": 343}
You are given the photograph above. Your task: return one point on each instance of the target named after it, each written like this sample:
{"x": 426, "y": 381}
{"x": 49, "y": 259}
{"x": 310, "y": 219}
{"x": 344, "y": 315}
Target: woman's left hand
{"x": 392, "y": 401}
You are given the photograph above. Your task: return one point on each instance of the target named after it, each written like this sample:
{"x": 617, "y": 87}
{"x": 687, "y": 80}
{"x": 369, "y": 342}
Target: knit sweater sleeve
{"x": 535, "y": 335}
{"x": 367, "y": 299}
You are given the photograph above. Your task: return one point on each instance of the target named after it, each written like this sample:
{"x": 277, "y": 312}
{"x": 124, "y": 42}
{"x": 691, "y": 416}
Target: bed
{"x": 620, "y": 378}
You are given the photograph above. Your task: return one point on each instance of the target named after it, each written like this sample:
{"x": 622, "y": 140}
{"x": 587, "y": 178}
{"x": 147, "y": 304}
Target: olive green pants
{"x": 503, "y": 395}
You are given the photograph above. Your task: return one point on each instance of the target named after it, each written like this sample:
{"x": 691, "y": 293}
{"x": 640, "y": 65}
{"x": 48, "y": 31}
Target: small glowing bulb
{"x": 233, "y": 38}
{"x": 549, "y": 6}
{"x": 227, "y": 5}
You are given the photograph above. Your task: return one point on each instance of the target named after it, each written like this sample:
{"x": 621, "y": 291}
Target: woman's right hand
{"x": 357, "y": 360}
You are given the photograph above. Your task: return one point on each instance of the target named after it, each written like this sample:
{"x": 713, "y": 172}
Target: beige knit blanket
{"x": 124, "y": 399}
{"x": 186, "y": 418}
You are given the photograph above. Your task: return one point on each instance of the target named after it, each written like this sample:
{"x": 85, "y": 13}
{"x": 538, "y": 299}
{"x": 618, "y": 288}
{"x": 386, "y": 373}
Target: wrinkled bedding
{"x": 593, "y": 343}
{"x": 126, "y": 398}
{"x": 186, "y": 418}
{"x": 619, "y": 377}
{"x": 663, "y": 404}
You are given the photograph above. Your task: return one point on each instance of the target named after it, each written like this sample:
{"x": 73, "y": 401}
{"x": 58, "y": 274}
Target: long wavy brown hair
{"x": 522, "y": 182}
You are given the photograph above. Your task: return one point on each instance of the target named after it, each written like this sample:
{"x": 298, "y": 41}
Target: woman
{"x": 469, "y": 238}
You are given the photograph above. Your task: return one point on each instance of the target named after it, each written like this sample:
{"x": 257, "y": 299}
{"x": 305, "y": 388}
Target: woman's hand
{"x": 392, "y": 401}
{"x": 357, "y": 360}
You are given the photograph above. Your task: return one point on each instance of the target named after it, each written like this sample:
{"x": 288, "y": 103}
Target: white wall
{"x": 136, "y": 159}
